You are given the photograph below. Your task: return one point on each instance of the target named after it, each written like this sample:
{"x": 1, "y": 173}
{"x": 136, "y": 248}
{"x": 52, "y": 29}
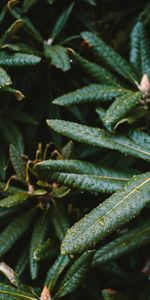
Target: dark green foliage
{"x": 75, "y": 150}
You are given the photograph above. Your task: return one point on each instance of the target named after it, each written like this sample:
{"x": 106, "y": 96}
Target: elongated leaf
{"x": 15, "y": 199}
{"x": 8, "y": 292}
{"x": 5, "y": 80}
{"x": 89, "y": 183}
{"x": 140, "y": 50}
{"x": 100, "y": 138}
{"x": 11, "y": 31}
{"x": 114, "y": 212}
{"x": 83, "y": 176}
{"x": 17, "y": 163}
{"x": 55, "y": 271}
{"x": 93, "y": 93}
{"x": 23, "y": 261}
{"x": 27, "y": 4}
{"x": 58, "y": 56}
{"x": 112, "y": 58}
{"x": 60, "y": 221}
{"x": 14, "y": 231}
{"x": 61, "y": 21}
{"x": 28, "y": 25}
{"x": 97, "y": 72}
{"x": 79, "y": 167}
{"x": 18, "y": 59}
{"x": 38, "y": 237}
{"x": 123, "y": 244}
{"x": 135, "y": 52}
{"x": 121, "y": 107}
{"x": 75, "y": 275}
{"x": 11, "y": 134}
{"x": 48, "y": 249}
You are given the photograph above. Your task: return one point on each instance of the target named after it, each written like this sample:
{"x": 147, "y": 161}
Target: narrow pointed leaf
{"x": 14, "y": 231}
{"x": 114, "y": 212}
{"x": 121, "y": 107}
{"x": 38, "y": 237}
{"x": 55, "y": 271}
{"x": 98, "y": 73}
{"x": 129, "y": 241}
{"x": 8, "y": 292}
{"x": 15, "y": 199}
{"x": 94, "y": 93}
{"x": 18, "y": 59}
{"x": 17, "y": 163}
{"x": 110, "y": 56}
{"x": 61, "y": 21}
{"x": 101, "y": 138}
{"x": 60, "y": 221}
{"x": 75, "y": 275}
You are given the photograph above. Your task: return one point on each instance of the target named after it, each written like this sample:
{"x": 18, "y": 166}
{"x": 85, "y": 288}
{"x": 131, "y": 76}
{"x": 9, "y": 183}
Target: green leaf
{"x": 11, "y": 134}
{"x": 55, "y": 271}
{"x": 117, "y": 210}
{"x": 60, "y": 220}
{"x": 47, "y": 250}
{"x": 15, "y": 199}
{"x": 110, "y": 56}
{"x": 5, "y": 80}
{"x": 95, "y": 71}
{"x": 38, "y": 237}
{"x": 58, "y": 56}
{"x": 27, "y": 4}
{"x": 94, "y": 93}
{"x": 75, "y": 275}
{"x": 101, "y": 138}
{"x": 14, "y": 27}
{"x": 121, "y": 107}
{"x": 135, "y": 52}
{"x": 83, "y": 176}
{"x": 8, "y": 292}
{"x": 14, "y": 231}
{"x": 22, "y": 262}
{"x": 110, "y": 294}
{"x": 17, "y": 162}
{"x": 18, "y": 59}
{"x": 61, "y": 21}
{"x": 140, "y": 49}
{"x": 127, "y": 242}
{"x": 28, "y": 25}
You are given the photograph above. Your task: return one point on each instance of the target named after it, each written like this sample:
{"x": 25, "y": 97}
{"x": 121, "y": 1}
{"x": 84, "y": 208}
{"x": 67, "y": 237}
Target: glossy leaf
{"x": 110, "y": 56}
{"x": 98, "y": 73}
{"x": 101, "y": 138}
{"x": 61, "y": 21}
{"x": 75, "y": 274}
{"x": 5, "y": 80}
{"x": 55, "y": 271}
{"x": 58, "y": 56}
{"x": 121, "y": 107}
{"x": 38, "y": 237}
{"x": 110, "y": 215}
{"x": 18, "y": 163}
{"x": 94, "y": 93}
{"x": 14, "y": 231}
{"x": 125, "y": 243}
{"x": 18, "y": 59}
{"x": 8, "y": 292}
{"x": 15, "y": 199}
{"x": 60, "y": 220}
